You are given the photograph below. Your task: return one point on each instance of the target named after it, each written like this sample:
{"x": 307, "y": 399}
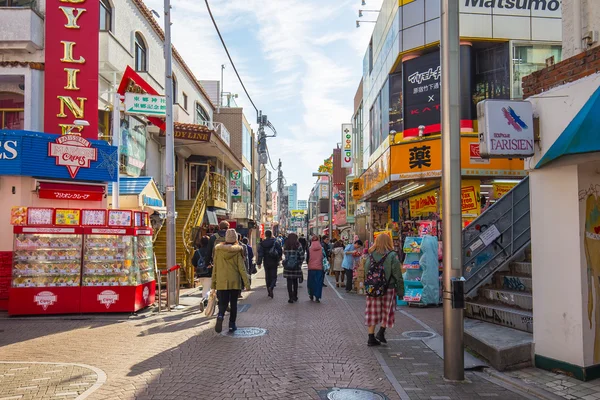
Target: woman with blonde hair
{"x": 383, "y": 281}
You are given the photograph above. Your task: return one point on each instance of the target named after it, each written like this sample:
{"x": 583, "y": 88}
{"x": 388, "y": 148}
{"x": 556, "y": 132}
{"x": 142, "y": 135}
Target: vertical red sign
{"x": 71, "y": 67}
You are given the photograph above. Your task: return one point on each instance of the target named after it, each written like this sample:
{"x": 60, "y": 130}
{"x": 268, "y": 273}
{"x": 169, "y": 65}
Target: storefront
{"x": 66, "y": 247}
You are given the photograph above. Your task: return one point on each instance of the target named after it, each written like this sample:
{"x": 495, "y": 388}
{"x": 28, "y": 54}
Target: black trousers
{"x": 292, "y": 286}
{"x": 271, "y": 276}
{"x": 349, "y": 274}
{"x": 228, "y": 298}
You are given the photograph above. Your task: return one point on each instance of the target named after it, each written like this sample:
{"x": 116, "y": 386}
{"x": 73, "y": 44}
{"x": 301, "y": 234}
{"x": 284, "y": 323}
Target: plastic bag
{"x": 209, "y": 311}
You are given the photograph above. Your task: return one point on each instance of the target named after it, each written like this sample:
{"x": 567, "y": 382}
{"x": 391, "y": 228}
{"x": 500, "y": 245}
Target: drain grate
{"x": 418, "y": 334}
{"x": 353, "y": 394}
{"x": 246, "y": 333}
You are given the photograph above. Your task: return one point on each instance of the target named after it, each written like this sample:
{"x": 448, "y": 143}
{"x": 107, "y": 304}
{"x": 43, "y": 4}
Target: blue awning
{"x": 581, "y": 136}
{"x": 131, "y": 186}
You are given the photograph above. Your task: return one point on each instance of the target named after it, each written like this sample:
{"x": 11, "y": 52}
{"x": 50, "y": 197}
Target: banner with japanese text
{"x": 470, "y": 194}
{"x": 500, "y": 189}
{"x": 423, "y": 204}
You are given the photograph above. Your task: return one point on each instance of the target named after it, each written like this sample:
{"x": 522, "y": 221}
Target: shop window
{"x": 529, "y": 58}
{"x": 202, "y": 117}
{"x": 141, "y": 54}
{"x": 492, "y": 74}
{"x": 105, "y": 16}
{"x": 12, "y": 114}
{"x": 133, "y": 146}
{"x": 16, "y": 3}
{"x": 185, "y": 101}
{"x": 104, "y": 125}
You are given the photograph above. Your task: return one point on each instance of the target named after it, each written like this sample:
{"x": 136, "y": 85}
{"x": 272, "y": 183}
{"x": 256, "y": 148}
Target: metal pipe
{"x": 451, "y": 188}
{"x": 169, "y": 140}
{"x": 116, "y": 141}
{"x": 577, "y": 26}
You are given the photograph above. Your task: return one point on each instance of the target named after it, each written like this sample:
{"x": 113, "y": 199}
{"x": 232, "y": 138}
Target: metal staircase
{"x": 498, "y": 274}
{"x": 193, "y": 221}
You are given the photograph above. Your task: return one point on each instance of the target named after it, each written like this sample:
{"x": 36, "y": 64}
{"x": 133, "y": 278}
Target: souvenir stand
{"x": 68, "y": 261}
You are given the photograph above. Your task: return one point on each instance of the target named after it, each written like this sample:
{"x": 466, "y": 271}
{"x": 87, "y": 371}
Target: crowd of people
{"x": 225, "y": 263}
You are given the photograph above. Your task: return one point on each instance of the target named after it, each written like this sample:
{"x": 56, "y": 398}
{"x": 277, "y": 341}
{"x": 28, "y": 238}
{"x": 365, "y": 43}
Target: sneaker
{"x": 291, "y": 301}
{"x": 219, "y": 325}
{"x": 232, "y": 328}
{"x": 318, "y": 300}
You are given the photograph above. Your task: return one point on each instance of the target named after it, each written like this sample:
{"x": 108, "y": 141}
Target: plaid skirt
{"x": 380, "y": 310}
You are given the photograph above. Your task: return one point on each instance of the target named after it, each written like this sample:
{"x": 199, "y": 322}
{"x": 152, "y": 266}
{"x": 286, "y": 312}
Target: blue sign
{"x": 42, "y": 155}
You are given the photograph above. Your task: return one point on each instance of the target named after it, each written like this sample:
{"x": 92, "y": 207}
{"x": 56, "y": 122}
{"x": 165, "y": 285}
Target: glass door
{"x": 197, "y": 174}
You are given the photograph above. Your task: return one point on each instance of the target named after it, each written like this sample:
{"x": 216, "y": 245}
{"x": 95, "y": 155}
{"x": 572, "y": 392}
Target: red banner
{"x": 71, "y": 67}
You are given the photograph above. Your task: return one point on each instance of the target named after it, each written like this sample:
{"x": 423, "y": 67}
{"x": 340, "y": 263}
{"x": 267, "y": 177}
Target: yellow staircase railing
{"x": 194, "y": 220}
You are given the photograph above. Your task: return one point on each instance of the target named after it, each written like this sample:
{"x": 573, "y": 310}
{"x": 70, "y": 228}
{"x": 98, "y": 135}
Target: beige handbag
{"x": 209, "y": 311}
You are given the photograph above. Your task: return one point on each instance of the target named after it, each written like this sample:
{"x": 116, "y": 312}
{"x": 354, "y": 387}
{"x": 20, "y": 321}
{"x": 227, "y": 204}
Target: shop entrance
{"x": 198, "y": 171}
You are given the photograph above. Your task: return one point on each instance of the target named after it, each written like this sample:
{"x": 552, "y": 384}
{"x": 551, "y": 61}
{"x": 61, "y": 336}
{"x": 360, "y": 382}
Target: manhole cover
{"x": 418, "y": 334}
{"x": 353, "y": 394}
{"x": 246, "y": 332}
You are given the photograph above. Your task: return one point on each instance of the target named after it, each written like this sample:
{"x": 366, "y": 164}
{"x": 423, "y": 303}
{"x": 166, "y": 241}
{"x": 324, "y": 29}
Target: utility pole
{"x": 116, "y": 141}
{"x": 170, "y": 140}
{"x": 451, "y": 190}
{"x": 280, "y": 196}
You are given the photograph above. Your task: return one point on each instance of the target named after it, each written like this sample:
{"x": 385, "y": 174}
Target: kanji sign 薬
{"x": 145, "y": 104}
{"x": 420, "y": 156}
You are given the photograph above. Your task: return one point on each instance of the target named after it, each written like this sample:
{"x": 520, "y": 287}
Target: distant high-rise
{"x": 292, "y": 196}
{"x": 303, "y": 205}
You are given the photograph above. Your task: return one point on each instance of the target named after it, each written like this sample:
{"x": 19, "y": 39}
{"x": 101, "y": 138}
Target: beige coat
{"x": 229, "y": 268}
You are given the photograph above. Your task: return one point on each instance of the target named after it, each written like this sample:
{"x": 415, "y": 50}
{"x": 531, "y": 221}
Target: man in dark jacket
{"x": 271, "y": 262}
{"x": 215, "y": 239}
{"x": 327, "y": 248}
{"x": 303, "y": 242}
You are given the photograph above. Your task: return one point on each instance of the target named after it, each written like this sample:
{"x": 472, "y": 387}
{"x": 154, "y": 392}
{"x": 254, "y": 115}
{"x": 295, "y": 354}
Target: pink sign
{"x": 73, "y": 152}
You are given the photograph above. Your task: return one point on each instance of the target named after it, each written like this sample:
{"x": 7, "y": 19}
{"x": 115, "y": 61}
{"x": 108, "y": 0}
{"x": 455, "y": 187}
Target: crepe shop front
{"x": 61, "y": 250}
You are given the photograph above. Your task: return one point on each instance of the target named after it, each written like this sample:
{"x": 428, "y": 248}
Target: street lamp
{"x": 330, "y": 179}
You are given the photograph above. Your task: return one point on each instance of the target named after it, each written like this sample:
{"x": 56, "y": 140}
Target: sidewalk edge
{"x": 520, "y": 385}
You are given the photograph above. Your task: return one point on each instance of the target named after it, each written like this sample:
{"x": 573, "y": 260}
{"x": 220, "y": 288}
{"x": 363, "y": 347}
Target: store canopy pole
{"x": 451, "y": 188}
{"x": 170, "y": 140}
{"x": 330, "y": 207}
{"x": 116, "y": 141}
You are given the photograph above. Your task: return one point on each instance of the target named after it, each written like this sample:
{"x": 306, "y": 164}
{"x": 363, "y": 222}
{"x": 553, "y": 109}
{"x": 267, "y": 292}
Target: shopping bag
{"x": 212, "y": 304}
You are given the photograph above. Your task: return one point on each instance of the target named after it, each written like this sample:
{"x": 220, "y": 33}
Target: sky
{"x": 301, "y": 61}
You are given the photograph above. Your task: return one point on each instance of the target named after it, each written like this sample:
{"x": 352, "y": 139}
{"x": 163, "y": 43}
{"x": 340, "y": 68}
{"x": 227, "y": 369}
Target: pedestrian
{"x": 327, "y": 248}
{"x": 270, "y": 252}
{"x": 218, "y": 237}
{"x": 292, "y": 265}
{"x": 251, "y": 263}
{"x": 338, "y": 258}
{"x": 203, "y": 271}
{"x": 228, "y": 278}
{"x": 246, "y": 260}
{"x": 350, "y": 256}
{"x": 303, "y": 242}
{"x": 315, "y": 269}
{"x": 381, "y": 288}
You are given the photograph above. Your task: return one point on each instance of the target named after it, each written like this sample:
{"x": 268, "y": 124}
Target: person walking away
{"x": 203, "y": 271}
{"x": 246, "y": 263}
{"x": 326, "y": 246}
{"x": 315, "y": 270}
{"x": 292, "y": 265}
{"x": 348, "y": 263}
{"x": 383, "y": 281}
{"x": 215, "y": 239}
{"x": 251, "y": 263}
{"x": 270, "y": 252}
{"x": 228, "y": 275}
{"x": 303, "y": 242}
{"x": 338, "y": 258}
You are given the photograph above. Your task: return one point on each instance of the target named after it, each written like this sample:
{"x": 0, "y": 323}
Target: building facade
{"x": 293, "y": 196}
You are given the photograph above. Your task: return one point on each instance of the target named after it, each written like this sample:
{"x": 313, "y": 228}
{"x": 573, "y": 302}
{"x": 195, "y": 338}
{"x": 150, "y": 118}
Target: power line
{"x": 229, "y": 56}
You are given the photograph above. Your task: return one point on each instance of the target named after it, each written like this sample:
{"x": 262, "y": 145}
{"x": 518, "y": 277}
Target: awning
{"x": 70, "y": 191}
{"x": 581, "y": 135}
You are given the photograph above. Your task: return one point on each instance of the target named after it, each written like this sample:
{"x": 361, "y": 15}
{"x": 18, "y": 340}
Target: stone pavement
{"x": 559, "y": 385}
{"x": 308, "y": 349}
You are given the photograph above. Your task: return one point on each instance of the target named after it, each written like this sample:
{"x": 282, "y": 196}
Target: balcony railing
{"x": 217, "y": 191}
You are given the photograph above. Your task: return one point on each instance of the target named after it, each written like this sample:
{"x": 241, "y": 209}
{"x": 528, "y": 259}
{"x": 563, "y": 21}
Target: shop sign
{"x": 541, "y": 5}
{"x": 108, "y": 298}
{"x": 357, "y": 188}
{"x": 297, "y": 213}
{"x": 8, "y": 150}
{"x": 132, "y": 82}
{"x": 274, "y": 205}
{"x": 470, "y": 192}
{"x": 145, "y": 104}
{"x": 506, "y": 128}
{"x": 422, "y": 82}
{"x": 133, "y": 146}
{"x": 235, "y": 184}
{"x": 500, "y": 189}
{"x": 71, "y": 66}
{"x": 45, "y": 299}
{"x": 423, "y": 204}
{"x": 378, "y": 173}
{"x": 376, "y": 234}
{"x": 475, "y": 156}
{"x": 73, "y": 152}
{"x": 347, "y": 145}
{"x": 151, "y": 201}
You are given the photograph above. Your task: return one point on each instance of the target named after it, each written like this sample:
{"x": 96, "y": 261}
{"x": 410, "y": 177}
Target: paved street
{"x": 308, "y": 349}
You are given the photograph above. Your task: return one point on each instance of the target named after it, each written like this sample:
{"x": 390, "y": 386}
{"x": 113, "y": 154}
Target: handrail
{"x": 218, "y": 187}
{"x": 196, "y": 214}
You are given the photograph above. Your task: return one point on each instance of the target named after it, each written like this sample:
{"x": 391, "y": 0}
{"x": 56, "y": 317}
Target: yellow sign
{"x": 423, "y": 204}
{"x": 297, "y": 213}
{"x": 357, "y": 188}
{"x": 422, "y": 159}
{"x": 389, "y": 233}
{"x": 500, "y": 189}
{"x": 470, "y": 194}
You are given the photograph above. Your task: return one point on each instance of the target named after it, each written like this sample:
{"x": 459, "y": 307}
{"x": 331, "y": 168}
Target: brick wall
{"x": 569, "y": 70}
{"x": 232, "y": 119}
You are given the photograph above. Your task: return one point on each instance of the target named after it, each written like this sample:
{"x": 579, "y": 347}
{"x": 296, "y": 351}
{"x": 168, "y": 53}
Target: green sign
{"x": 145, "y": 104}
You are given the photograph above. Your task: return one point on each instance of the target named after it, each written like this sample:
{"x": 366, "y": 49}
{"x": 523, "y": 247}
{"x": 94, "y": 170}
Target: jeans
{"x": 271, "y": 276}
{"x": 292, "y": 286}
{"x": 349, "y": 274}
{"x": 228, "y": 298}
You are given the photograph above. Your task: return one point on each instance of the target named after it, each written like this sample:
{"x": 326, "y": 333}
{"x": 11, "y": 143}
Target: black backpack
{"x": 292, "y": 259}
{"x": 375, "y": 282}
{"x": 273, "y": 253}
{"x": 201, "y": 267}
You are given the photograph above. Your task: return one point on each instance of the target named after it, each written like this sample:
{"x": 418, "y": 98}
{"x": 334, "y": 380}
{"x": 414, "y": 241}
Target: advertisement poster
{"x": 500, "y": 189}
{"x": 67, "y": 217}
{"x": 423, "y": 204}
{"x": 422, "y": 83}
{"x": 133, "y": 146}
{"x": 470, "y": 194}
{"x": 389, "y": 233}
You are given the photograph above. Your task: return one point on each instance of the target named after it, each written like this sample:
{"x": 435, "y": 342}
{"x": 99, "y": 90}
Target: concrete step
{"x": 511, "y": 281}
{"x": 521, "y": 268}
{"x": 504, "y": 348}
{"x": 499, "y": 314}
{"x": 522, "y": 300}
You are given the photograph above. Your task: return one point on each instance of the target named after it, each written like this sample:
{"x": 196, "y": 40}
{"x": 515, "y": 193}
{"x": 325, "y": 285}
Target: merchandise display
{"x": 109, "y": 261}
